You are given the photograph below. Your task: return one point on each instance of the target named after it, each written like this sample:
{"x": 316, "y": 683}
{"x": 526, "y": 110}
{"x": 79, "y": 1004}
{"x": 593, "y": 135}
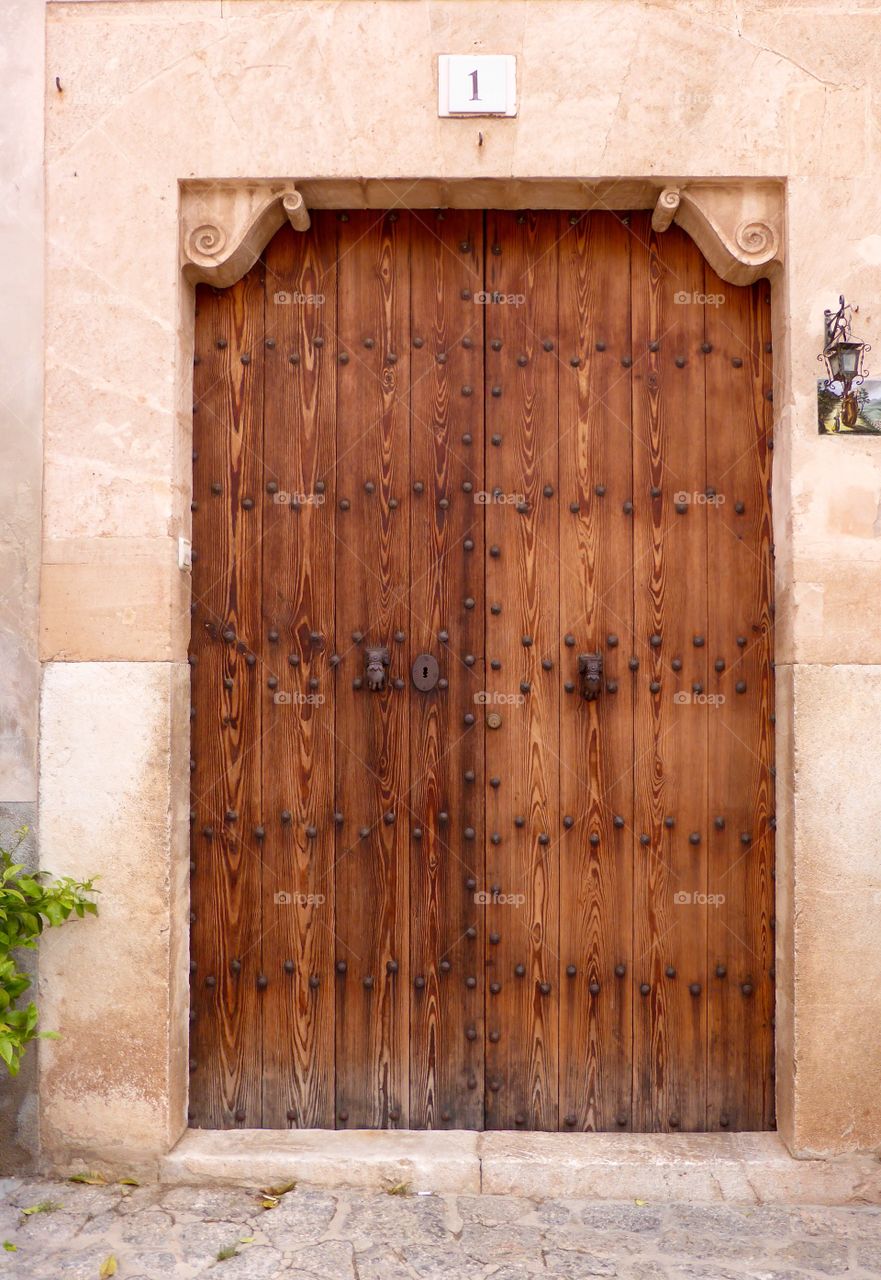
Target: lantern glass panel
{"x": 849, "y": 356}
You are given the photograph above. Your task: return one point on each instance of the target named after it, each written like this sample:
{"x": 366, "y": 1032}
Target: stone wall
{"x": 159, "y": 92}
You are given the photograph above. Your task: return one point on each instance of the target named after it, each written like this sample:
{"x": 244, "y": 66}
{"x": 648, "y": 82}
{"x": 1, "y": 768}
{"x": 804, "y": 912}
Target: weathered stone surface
{"x": 374, "y": 1236}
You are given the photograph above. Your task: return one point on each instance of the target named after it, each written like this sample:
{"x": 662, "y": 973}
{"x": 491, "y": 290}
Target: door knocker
{"x": 590, "y": 668}
{"x": 376, "y": 661}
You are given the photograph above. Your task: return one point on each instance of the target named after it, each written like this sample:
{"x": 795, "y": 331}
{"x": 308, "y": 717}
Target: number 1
{"x": 474, "y": 94}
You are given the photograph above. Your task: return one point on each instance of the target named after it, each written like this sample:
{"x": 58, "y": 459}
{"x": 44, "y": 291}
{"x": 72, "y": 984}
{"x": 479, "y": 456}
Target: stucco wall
{"x": 161, "y": 91}
{"x": 21, "y": 417}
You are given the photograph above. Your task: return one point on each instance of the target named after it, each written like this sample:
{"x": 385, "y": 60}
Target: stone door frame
{"x": 129, "y": 1109}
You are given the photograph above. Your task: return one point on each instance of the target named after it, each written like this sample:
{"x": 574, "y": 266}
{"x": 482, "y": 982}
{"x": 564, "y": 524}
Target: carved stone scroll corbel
{"x": 737, "y": 226}
{"x": 226, "y": 226}
{"x": 665, "y": 209}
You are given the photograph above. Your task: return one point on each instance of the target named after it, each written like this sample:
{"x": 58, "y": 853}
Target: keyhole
{"x": 425, "y": 673}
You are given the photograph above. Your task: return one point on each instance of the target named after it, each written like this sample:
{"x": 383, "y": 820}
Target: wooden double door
{"x": 482, "y": 723}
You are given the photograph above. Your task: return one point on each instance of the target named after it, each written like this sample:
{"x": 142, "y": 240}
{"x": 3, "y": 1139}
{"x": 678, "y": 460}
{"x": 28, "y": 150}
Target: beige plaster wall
{"x": 160, "y": 91}
{"x": 21, "y": 427}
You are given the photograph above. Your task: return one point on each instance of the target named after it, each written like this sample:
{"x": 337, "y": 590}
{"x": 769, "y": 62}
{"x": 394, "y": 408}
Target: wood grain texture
{"x": 526, "y": 960}
{"x": 298, "y": 746}
{"x": 447, "y": 567}
{"x": 372, "y": 570}
{"x": 596, "y": 611}
{"x": 741, "y": 941}
{"x": 522, "y": 917}
{"x": 226, "y": 890}
{"x": 670, "y": 1019}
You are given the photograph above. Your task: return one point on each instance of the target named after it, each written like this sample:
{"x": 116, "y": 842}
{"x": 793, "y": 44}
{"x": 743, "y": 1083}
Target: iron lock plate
{"x": 425, "y": 672}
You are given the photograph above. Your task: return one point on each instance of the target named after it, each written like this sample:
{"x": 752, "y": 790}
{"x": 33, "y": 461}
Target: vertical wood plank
{"x": 522, "y": 629}
{"x": 372, "y": 728}
{"x": 226, "y": 886}
{"x": 670, "y": 932}
{"x": 741, "y": 746}
{"x": 299, "y": 677}
{"x": 596, "y": 737}
{"x": 446, "y": 567}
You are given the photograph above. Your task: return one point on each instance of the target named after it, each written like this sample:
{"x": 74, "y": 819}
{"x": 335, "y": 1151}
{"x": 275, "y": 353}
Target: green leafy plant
{"x": 28, "y": 902}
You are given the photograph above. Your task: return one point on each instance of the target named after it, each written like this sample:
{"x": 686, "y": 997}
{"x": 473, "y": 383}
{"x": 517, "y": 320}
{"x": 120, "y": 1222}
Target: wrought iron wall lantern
{"x": 843, "y": 355}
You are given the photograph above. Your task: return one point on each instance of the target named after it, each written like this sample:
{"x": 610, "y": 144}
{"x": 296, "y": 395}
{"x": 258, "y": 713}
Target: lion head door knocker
{"x": 590, "y": 668}
{"x": 376, "y": 661}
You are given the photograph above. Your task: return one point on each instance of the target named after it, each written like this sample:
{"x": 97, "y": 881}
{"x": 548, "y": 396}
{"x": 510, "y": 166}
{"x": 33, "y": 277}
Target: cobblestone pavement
{"x": 180, "y": 1233}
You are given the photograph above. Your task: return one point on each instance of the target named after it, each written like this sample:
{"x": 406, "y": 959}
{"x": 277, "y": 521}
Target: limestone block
{"x": 114, "y": 806}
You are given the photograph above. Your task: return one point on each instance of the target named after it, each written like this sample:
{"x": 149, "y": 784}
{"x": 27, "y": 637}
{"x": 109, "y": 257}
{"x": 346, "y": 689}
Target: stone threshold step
{"x": 737, "y": 1168}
